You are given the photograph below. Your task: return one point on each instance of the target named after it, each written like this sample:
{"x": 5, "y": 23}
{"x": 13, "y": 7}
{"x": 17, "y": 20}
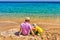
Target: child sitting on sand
{"x": 37, "y": 30}
{"x": 25, "y": 27}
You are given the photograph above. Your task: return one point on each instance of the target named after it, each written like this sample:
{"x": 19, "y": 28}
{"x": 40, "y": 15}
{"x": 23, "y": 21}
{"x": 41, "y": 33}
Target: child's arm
{"x": 32, "y": 32}
{"x": 20, "y": 31}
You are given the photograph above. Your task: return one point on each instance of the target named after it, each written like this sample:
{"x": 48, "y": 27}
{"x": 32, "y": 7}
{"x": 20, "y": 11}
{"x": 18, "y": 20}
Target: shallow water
{"x": 30, "y": 9}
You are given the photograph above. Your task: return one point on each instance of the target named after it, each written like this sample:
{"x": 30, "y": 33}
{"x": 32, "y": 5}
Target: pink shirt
{"x": 25, "y": 28}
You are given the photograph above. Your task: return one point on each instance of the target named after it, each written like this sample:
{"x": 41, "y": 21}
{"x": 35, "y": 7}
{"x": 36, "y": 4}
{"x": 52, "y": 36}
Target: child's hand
{"x": 34, "y": 29}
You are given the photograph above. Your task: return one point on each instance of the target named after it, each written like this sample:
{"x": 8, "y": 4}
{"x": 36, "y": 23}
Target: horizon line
{"x": 29, "y": 1}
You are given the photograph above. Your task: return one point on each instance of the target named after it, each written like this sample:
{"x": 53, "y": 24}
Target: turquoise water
{"x": 30, "y": 9}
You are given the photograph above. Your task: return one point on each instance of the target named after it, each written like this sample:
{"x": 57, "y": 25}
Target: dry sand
{"x": 8, "y": 28}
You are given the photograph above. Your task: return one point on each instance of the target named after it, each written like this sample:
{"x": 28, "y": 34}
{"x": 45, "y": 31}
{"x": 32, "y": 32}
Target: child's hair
{"x": 34, "y": 24}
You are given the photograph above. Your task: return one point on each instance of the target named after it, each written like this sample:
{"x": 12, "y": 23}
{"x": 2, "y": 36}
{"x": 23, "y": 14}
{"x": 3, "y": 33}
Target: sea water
{"x": 30, "y": 9}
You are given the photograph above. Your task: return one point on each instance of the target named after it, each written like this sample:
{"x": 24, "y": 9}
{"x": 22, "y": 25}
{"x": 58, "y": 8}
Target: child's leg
{"x": 36, "y": 33}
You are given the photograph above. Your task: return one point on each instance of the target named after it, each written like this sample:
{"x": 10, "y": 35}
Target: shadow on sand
{"x": 16, "y": 33}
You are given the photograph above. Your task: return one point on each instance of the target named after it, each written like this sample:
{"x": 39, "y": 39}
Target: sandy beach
{"x": 51, "y": 29}
{"x": 44, "y": 14}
